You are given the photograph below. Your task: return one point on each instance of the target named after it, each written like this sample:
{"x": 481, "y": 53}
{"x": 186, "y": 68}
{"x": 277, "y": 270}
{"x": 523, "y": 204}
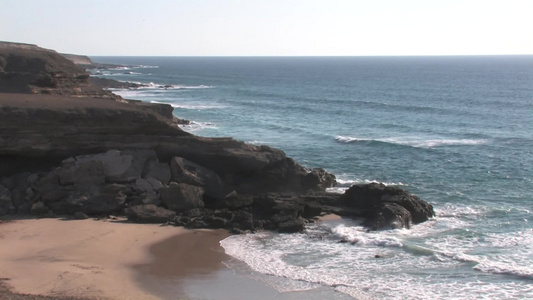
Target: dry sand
{"x": 102, "y": 259}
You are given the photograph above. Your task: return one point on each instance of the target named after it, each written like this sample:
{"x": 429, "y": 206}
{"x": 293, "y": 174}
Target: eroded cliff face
{"x": 28, "y": 68}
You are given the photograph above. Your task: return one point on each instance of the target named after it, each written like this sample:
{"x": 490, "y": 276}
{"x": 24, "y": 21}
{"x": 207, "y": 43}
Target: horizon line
{"x": 258, "y": 56}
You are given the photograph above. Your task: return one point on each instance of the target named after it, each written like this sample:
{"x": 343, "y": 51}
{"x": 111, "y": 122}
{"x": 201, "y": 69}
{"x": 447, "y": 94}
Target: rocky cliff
{"x": 83, "y": 156}
{"x": 28, "y": 68}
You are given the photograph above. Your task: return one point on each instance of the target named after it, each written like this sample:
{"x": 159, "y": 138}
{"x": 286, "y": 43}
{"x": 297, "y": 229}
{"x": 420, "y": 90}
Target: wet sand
{"x": 194, "y": 254}
{"x": 103, "y": 259}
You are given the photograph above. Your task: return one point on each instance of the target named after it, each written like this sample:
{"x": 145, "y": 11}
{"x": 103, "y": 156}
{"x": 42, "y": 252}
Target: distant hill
{"x": 78, "y": 59}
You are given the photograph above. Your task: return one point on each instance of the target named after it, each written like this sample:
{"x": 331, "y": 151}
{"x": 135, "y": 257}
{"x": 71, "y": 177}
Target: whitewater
{"x": 456, "y": 131}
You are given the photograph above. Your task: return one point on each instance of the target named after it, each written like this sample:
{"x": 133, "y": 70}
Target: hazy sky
{"x": 271, "y": 27}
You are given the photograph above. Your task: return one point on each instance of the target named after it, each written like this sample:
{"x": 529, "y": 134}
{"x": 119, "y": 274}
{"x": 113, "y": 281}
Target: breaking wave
{"x": 412, "y": 142}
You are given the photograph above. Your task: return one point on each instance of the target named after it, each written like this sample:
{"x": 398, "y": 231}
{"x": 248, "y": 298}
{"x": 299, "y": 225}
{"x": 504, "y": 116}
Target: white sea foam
{"x": 257, "y": 142}
{"x": 146, "y": 67}
{"x": 460, "y": 211}
{"x": 360, "y": 236}
{"x": 190, "y": 106}
{"x": 416, "y": 142}
{"x": 404, "y": 269}
{"x": 197, "y": 126}
{"x": 122, "y": 68}
{"x": 344, "y": 184}
{"x": 505, "y": 267}
{"x": 350, "y": 182}
{"x": 163, "y": 86}
{"x": 159, "y": 86}
{"x": 129, "y": 93}
{"x": 501, "y": 264}
{"x": 261, "y": 258}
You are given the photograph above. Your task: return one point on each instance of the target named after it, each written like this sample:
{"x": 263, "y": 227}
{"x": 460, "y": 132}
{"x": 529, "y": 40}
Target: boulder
{"x": 291, "y": 226}
{"x": 312, "y": 209}
{"x": 216, "y": 222}
{"x": 110, "y": 199}
{"x": 374, "y": 202}
{"x": 180, "y": 197}
{"x": 49, "y": 189}
{"x": 80, "y": 215}
{"x": 389, "y": 215}
{"x": 83, "y": 172}
{"x": 145, "y": 191}
{"x": 318, "y": 180}
{"x": 149, "y": 213}
{"x": 242, "y": 221}
{"x": 285, "y": 176}
{"x": 157, "y": 170}
{"x": 275, "y": 209}
{"x": 185, "y": 171}
{"x": 235, "y": 201}
{"x": 39, "y": 209}
{"x": 149, "y": 185}
{"x": 6, "y": 201}
{"x": 120, "y": 166}
{"x": 22, "y": 192}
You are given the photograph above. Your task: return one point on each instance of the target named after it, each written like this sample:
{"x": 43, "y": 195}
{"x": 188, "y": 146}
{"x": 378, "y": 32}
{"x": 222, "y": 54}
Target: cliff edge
{"x": 26, "y": 68}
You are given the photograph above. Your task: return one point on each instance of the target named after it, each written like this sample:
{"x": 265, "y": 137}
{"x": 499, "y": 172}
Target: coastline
{"x": 111, "y": 259}
{"x": 101, "y": 259}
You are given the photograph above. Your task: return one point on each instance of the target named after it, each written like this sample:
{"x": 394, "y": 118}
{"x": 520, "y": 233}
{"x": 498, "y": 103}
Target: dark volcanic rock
{"x": 6, "y": 201}
{"x": 114, "y": 84}
{"x": 235, "y": 201}
{"x": 286, "y": 176}
{"x": 375, "y": 201}
{"x": 110, "y": 199}
{"x": 157, "y": 170}
{"x": 293, "y": 225}
{"x": 242, "y": 220}
{"x": 180, "y": 197}
{"x": 389, "y": 215}
{"x": 192, "y": 173}
{"x": 149, "y": 213}
{"x": 39, "y": 209}
{"x": 80, "y": 216}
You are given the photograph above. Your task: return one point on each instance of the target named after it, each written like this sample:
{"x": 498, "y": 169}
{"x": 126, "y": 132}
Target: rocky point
{"x": 68, "y": 147}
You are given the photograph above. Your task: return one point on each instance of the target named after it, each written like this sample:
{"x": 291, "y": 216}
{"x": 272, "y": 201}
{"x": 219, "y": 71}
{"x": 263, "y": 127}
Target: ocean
{"x": 457, "y": 131}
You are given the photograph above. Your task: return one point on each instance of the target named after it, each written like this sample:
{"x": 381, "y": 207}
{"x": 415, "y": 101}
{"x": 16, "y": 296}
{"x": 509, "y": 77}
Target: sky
{"x": 271, "y": 27}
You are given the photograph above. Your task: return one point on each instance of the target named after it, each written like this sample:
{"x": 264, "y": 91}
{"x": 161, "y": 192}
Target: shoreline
{"x": 101, "y": 259}
{"x": 193, "y": 254}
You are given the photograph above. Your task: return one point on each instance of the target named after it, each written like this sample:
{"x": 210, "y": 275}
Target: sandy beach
{"x": 103, "y": 259}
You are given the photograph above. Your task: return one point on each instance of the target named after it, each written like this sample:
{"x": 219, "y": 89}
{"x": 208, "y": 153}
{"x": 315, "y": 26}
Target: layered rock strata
{"x": 28, "y": 68}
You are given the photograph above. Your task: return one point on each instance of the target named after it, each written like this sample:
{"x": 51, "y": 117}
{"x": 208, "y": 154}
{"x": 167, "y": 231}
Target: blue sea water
{"x": 457, "y": 131}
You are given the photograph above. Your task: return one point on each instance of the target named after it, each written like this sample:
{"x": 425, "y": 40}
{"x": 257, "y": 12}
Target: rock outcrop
{"x": 28, "y": 68}
{"x": 90, "y": 156}
{"x": 385, "y": 206}
{"x": 137, "y": 184}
